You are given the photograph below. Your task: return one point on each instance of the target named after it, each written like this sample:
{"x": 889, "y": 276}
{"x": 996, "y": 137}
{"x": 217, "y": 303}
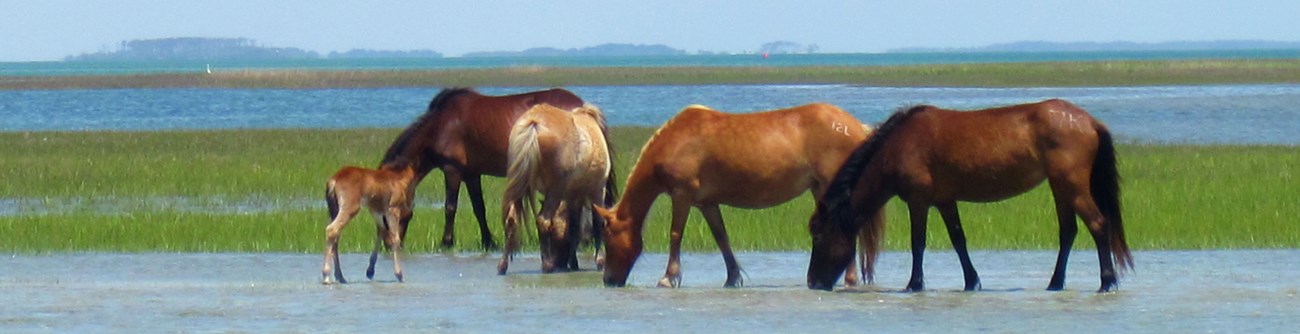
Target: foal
{"x": 387, "y": 192}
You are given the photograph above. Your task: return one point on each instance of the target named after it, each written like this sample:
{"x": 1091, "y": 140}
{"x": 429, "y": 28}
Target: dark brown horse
{"x": 465, "y": 134}
{"x": 934, "y": 157}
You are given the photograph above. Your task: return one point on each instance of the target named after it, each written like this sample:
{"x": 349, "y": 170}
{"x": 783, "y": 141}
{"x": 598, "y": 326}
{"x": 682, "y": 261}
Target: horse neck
{"x": 639, "y": 194}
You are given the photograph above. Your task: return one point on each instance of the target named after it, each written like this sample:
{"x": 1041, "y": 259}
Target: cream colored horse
{"x": 564, "y": 156}
{"x": 387, "y": 192}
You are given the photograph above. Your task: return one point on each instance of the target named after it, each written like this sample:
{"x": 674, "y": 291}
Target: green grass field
{"x": 1101, "y": 73}
{"x": 261, "y": 190}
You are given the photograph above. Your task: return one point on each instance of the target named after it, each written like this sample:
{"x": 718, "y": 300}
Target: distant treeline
{"x": 197, "y": 48}
{"x": 1043, "y": 46}
{"x": 610, "y": 49}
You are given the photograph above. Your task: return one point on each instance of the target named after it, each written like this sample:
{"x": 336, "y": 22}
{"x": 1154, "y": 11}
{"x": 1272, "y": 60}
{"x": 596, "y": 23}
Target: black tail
{"x": 1105, "y": 193}
{"x": 331, "y": 200}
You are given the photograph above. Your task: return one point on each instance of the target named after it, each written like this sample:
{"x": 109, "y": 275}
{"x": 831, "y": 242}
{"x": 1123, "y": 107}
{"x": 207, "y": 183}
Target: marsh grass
{"x": 1174, "y": 197}
{"x": 1099, "y": 73}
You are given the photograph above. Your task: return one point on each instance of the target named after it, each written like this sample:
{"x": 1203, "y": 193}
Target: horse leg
{"x": 332, "y": 232}
{"x": 597, "y": 232}
{"x": 394, "y": 242}
{"x": 673, "y": 274}
{"x": 952, "y": 220}
{"x": 713, "y": 216}
{"x": 1069, "y": 229}
{"x": 575, "y": 227}
{"x": 1096, "y": 224}
{"x": 510, "y": 225}
{"x": 381, "y": 228}
{"x": 917, "y": 213}
{"x": 453, "y": 179}
{"x": 474, "y": 184}
{"x": 851, "y": 277}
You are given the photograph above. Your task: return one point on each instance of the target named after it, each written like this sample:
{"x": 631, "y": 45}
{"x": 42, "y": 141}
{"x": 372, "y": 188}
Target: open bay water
{"x": 1220, "y": 114}
{"x": 1233, "y": 291}
{"x": 856, "y": 59}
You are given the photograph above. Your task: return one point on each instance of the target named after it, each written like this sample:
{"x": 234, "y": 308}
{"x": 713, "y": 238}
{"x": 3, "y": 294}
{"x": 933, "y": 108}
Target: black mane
{"x": 435, "y": 106}
{"x": 835, "y": 205}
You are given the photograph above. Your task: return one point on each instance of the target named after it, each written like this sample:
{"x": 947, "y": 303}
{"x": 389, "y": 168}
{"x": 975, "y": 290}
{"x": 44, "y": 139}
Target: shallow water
{"x": 1172, "y": 291}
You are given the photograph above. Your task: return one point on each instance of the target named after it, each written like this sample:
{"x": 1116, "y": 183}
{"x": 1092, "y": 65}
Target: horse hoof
{"x": 668, "y": 282}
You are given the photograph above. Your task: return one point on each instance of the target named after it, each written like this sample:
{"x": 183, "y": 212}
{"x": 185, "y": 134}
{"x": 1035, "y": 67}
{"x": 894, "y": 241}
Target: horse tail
{"x": 331, "y": 200}
{"x": 522, "y": 173}
{"x": 836, "y": 207}
{"x": 1105, "y": 193}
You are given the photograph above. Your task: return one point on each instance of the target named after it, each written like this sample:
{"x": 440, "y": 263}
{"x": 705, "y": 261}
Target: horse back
{"x": 990, "y": 154}
{"x": 752, "y": 159}
{"x": 482, "y": 125}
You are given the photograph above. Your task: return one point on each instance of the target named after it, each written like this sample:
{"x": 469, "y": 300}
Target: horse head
{"x": 623, "y": 245}
{"x": 832, "y": 251}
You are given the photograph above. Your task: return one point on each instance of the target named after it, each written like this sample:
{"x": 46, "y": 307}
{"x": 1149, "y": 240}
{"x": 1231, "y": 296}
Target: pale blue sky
{"x": 35, "y": 30}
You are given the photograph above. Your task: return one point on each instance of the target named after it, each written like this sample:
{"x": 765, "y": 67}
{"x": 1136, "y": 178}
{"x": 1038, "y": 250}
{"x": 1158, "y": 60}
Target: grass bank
{"x": 1101, "y": 73}
{"x": 260, "y": 190}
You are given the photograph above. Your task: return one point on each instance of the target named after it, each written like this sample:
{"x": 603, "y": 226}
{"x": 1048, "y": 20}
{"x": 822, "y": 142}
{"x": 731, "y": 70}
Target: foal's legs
{"x": 474, "y": 185}
{"x": 958, "y": 237}
{"x": 713, "y": 216}
{"x": 380, "y": 230}
{"x": 347, "y": 210}
{"x": 673, "y": 275}
{"x": 384, "y": 226}
{"x": 917, "y": 213}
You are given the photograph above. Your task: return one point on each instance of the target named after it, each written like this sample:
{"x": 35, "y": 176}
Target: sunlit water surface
{"x": 1239, "y": 291}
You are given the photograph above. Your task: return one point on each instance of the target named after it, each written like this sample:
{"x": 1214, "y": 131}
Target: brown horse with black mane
{"x": 934, "y": 157}
{"x": 705, "y": 158}
{"x": 466, "y": 134}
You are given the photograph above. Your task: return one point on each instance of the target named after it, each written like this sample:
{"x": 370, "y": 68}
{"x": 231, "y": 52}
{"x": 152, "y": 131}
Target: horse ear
{"x": 607, "y": 214}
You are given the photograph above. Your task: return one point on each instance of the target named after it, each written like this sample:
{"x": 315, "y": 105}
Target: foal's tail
{"x": 331, "y": 200}
{"x": 1105, "y": 192}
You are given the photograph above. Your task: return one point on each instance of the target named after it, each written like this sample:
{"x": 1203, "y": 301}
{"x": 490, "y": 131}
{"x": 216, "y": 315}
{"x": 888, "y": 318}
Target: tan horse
{"x": 929, "y": 156}
{"x": 705, "y": 158}
{"x": 565, "y": 157}
{"x": 387, "y": 192}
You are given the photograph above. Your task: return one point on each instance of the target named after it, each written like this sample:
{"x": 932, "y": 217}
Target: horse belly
{"x": 997, "y": 186}
{"x": 754, "y": 191}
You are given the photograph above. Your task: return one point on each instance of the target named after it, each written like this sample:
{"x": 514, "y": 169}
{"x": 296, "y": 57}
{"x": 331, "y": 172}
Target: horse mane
{"x": 435, "y": 107}
{"x": 835, "y": 205}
